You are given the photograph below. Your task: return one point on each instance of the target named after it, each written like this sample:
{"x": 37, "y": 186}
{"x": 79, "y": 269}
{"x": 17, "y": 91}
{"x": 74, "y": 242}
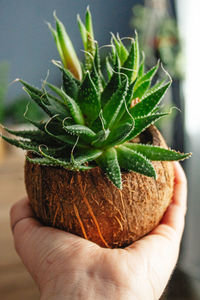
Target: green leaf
{"x": 112, "y": 108}
{"x": 55, "y": 36}
{"x": 148, "y": 104}
{"x": 120, "y": 49}
{"x": 47, "y": 102}
{"x": 41, "y": 101}
{"x": 87, "y": 36}
{"x": 25, "y": 145}
{"x": 82, "y": 131}
{"x": 35, "y": 146}
{"x": 109, "y": 68}
{"x": 148, "y": 76}
{"x": 69, "y": 57}
{"x": 83, "y": 31}
{"x": 141, "y": 89}
{"x": 131, "y": 65}
{"x": 157, "y": 153}
{"x": 36, "y": 136}
{"x": 95, "y": 76}
{"x": 142, "y": 123}
{"x": 101, "y": 136}
{"x": 4, "y": 67}
{"x": 126, "y": 104}
{"x": 88, "y": 24}
{"x": 57, "y": 132}
{"x": 117, "y": 135}
{"x": 97, "y": 61}
{"x": 71, "y": 104}
{"x": 133, "y": 161}
{"x": 109, "y": 163}
{"x": 142, "y": 66}
{"x": 73, "y": 164}
{"x": 48, "y": 162}
{"x": 57, "y": 107}
{"x": 113, "y": 83}
{"x": 41, "y": 161}
{"x": 70, "y": 84}
{"x": 88, "y": 99}
{"x": 87, "y": 155}
{"x": 32, "y": 89}
{"x": 154, "y": 88}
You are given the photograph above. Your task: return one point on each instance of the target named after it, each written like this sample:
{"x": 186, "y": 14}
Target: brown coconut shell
{"x": 87, "y": 204}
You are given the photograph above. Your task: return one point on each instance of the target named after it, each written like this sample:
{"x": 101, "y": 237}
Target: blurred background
{"x": 169, "y": 31}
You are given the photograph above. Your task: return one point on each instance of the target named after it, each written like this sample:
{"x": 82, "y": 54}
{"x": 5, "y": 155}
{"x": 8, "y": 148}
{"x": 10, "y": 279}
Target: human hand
{"x": 65, "y": 266}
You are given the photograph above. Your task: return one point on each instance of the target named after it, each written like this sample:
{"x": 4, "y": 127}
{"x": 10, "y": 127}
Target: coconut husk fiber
{"x": 87, "y": 204}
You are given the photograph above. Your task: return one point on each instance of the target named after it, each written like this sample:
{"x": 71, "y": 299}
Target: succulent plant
{"x": 93, "y": 118}
{"x": 96, "y": 166}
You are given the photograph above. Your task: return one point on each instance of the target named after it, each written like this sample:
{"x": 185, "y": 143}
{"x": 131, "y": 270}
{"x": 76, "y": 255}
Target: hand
{"x": 65, "y": 266}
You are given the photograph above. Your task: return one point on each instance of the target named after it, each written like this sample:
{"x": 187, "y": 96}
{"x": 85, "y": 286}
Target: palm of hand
{"x": 67, "y": 267}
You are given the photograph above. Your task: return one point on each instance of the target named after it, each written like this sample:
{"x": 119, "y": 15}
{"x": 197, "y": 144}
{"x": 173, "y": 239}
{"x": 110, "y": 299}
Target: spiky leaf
{"x": 117, "y": 136}
{"x": 148, "y": 76}
{"x": 69, "y": 56}
{"x": 112, "y": 109}
{"x": 37, "y": 136}
{"x": 87, "y": 155}
{"x": 133, "y": 161}
{"x": 70, "y": 84}
{"x": 109, "y": 163}
{"x": 148, "y": 104}
{"x": 88, "y": 99}
{"x": 83, "y": 132}
{"x": 142, "y": 88}
{"x": 113, "y": 83}
{"x": 120, "y": 48}
{"x": 131, "y": 65}
{"x": 157, "y": 153}
{"x": 71, "y": 104}
{"x": 142, "y": 123}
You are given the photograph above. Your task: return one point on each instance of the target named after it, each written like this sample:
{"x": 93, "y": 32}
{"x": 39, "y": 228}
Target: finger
{"x": 21, "y": 210}
{"x": 180, "y": 190}
{"x": 24, "y": 227}
{"x": 160, "y": 249}
{"x": 172, "y": 224}
{"x": 35, "y": 242}
{"x": 175, "y": 214}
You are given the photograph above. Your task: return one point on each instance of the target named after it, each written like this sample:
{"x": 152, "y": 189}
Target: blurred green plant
{"x": 158, "y": 35}
{"x": 15, "y": 112}
{"x": 4, "y": 69}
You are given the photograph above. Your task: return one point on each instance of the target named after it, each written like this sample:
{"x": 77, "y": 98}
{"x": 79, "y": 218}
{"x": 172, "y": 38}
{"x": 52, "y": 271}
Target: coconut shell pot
{"x": 87, "y": 204}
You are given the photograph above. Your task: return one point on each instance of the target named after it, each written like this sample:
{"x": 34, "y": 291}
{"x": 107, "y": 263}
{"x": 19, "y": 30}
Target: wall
{"x": 26, "y": 42}
{"x": 188, "y": 13}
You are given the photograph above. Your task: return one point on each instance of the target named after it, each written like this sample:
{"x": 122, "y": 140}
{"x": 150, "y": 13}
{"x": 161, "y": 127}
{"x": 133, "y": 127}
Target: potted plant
{"x": 97, "y": 167}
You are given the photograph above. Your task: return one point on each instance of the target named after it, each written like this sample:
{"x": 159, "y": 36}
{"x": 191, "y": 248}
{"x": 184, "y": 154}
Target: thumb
{"x": 41, "y": 248}
{"x": 25, "y": 230}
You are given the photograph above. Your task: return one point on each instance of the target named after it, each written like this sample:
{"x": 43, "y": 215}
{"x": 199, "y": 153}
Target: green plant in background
{"x": 4, "y": 68}
{"x": 158, "y": 35}
{"x": 92, "y": 119}
{"x": 15, "y": 112}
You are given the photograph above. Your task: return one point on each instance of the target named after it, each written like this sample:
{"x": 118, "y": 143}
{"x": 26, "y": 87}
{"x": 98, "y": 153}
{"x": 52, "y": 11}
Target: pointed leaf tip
{"x": 108, "y": 161}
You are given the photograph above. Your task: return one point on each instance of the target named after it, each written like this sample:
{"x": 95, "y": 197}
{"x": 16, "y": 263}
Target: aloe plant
{"x": 93, "y": 118}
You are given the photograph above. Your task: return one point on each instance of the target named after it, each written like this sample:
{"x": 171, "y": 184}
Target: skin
{"x": 65, "y": 266}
